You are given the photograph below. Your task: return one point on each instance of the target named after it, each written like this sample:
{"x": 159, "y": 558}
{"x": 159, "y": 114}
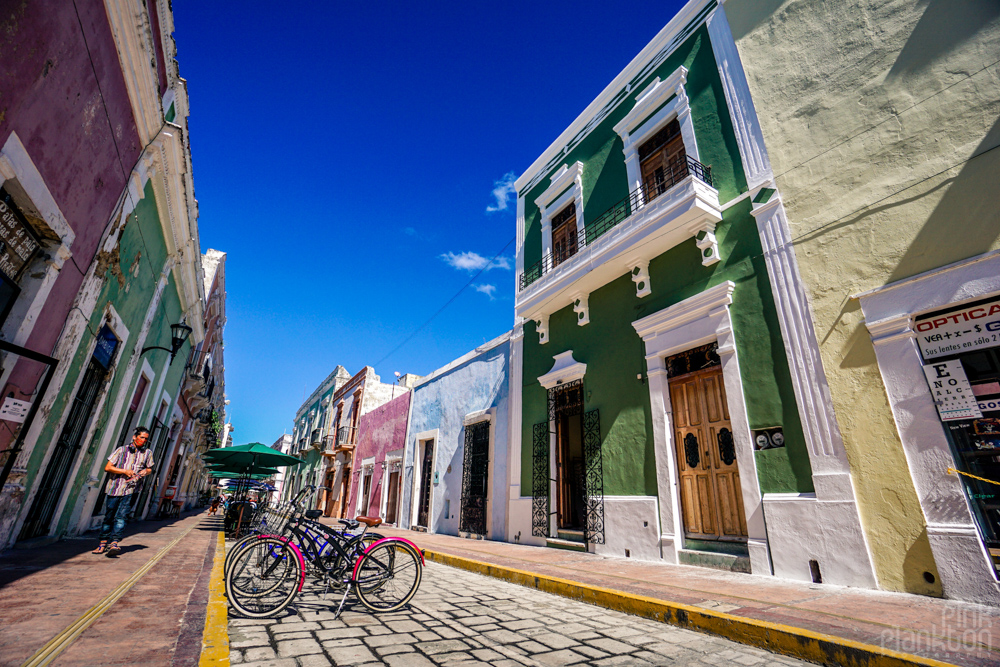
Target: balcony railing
{"x": 347, "y": 436}
{"x": 650, "y": 190}
{"x": 329, "y": 444}
{"x": 317, "y": 437}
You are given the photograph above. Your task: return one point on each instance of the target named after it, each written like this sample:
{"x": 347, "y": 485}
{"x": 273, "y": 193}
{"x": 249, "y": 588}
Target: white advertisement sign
{"x": 951, "y": 390}
{"x": 14, "y": 410}
{"x": 960, "y": 331}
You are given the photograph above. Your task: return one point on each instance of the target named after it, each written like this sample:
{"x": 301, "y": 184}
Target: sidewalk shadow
{"x": 17, "y": 563}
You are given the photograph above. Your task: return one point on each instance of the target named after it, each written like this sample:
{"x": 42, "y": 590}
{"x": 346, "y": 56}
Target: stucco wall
{"x": 441, "y": 403}
{"x": 879, "y": 119}
{"x": 382, "y": 430}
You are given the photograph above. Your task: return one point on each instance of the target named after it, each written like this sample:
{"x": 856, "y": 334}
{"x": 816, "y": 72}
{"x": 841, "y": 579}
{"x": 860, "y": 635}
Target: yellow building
{"x": 877, "y": 173}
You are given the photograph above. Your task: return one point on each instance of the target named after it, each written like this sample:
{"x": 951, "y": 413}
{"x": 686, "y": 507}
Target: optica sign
{"x": 963, "y": 330}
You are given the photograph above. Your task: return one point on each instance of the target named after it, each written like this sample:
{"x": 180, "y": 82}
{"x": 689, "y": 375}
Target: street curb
{"x": 775, "y": 637}
{"x": 215, "y": 640}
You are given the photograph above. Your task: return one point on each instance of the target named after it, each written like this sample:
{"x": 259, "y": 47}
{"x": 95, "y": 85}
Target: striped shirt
{"x": 129, "y": 457}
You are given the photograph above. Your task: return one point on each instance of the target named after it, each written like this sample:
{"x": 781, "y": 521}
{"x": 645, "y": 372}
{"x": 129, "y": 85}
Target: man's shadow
{"x": 129, "y": 548}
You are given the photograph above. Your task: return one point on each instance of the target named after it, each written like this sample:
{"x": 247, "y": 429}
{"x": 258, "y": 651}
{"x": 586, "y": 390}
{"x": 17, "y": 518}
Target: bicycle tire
{"x": 233, "y": 550}
{"x": 388, "y": 576}
{"x": 264, "y": 578}
{"x": 236, "y": 551}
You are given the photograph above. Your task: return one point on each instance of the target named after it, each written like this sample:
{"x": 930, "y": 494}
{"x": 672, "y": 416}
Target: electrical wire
{"x": 446, "y": 304}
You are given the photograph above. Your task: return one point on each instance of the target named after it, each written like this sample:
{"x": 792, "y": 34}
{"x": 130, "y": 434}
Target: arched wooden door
{"x": 709, "y": 479}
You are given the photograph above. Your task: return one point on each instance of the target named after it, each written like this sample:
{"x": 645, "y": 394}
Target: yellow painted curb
{"x": 62, "y": 641}
{"x": 215, "y": 639}
{"x": 775, "y": 637}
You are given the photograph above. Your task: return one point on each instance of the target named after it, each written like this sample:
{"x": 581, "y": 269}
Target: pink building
{"x": 376, "y": 485}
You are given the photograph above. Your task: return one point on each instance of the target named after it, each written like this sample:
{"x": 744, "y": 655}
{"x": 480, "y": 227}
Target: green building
{"x": 667, "y": 409}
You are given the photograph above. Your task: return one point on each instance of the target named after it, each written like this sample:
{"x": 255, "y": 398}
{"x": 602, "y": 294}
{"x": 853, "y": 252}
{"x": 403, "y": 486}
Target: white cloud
{"x": 472, "y": 261}
{"x": 488, "y": 290}
{"x": 503, "y": 191}
{"x": 409, "y": 231}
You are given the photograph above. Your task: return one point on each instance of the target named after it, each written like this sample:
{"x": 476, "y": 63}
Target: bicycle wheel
{"x": 263, "y": 578}
{"x": 388, "y": 576}
{"x": 235, "y": 549}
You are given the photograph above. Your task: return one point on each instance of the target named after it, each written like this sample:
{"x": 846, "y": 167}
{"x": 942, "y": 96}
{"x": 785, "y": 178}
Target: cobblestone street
{"x": 461, "y": 619}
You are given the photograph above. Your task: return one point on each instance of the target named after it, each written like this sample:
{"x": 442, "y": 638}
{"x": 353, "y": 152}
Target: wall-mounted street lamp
{"x": 178, "y": 334}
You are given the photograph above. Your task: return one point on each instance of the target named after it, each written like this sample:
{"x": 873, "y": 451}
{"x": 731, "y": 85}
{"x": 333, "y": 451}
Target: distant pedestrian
{"x": 215, "y": 505}
{"x": 127, "y": 466}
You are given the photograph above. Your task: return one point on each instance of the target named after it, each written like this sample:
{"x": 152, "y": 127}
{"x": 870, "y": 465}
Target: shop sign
{"x": 17, "y": 241}
{"x": 105, "y": 348}
{"x": 14, "y": 410}
{"x": 951, "y": 390}
{"x": 963, "y": 330}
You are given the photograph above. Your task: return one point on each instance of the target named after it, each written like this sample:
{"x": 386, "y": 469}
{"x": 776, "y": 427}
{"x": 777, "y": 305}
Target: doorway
{"x": 475, "y": 478}
{"x": 570, "y": 464}
{"x": 424, "y": 497}
{"x": 65, "y": 452}
{"x": 708, "y": 476}
{"x": 392, "y": 501}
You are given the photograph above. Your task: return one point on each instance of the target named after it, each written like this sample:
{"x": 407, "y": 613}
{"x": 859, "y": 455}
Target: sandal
{"x": 113, "y": 550}
{"x": 101, "y": 548}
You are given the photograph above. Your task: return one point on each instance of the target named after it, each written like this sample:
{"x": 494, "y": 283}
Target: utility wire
{"x": 447, "y": 303}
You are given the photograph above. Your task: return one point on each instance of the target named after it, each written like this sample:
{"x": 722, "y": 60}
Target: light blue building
{"x": 456, "y": 468}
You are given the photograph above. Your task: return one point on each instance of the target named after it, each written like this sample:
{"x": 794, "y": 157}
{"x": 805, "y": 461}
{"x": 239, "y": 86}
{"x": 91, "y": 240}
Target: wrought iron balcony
{"x": 317, "y": 436}
{"x": 329, "y": 445}
{"x": 650, "y": 190}
{"x": 347, "y": 436}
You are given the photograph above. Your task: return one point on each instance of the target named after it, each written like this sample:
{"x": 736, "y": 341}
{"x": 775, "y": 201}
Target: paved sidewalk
{"x": 743, "y": 607}
{"x": 158, "y": 622}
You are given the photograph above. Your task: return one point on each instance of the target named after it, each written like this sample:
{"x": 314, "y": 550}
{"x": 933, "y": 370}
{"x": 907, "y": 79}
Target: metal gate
{"x": 540, "y": 480}
{"x": 66, "y": 450}
{"x": 475, "y": 478}
{"x": 594, "y": 461}
{"x": 560, "y": 400}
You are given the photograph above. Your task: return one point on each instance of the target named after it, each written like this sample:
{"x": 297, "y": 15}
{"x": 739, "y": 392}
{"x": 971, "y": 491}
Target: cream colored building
{"x": 878, "y": 194}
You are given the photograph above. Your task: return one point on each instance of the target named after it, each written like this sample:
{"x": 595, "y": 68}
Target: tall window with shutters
{"x": 564, "y": 241}
{"x": 663, "y": 160}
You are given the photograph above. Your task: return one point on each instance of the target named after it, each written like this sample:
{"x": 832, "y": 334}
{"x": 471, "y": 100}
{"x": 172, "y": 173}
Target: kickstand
{"x": 327, "y": 589}
{"x": 343, "y": 601}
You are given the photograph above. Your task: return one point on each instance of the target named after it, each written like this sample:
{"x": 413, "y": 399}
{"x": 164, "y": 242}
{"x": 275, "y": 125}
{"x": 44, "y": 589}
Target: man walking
{"x": 127, "y": 466}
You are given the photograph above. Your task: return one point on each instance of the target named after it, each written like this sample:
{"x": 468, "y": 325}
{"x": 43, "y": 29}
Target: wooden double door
{"x": 708, "y": 476}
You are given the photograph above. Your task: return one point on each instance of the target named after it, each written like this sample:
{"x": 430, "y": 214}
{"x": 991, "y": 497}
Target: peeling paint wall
{"x": 880, "y": 119}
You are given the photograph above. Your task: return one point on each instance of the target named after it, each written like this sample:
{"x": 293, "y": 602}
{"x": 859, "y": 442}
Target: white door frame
{"x": 390, "y": 458}
{"x": 699, "y": 320}
{"x": 422, "y": 439}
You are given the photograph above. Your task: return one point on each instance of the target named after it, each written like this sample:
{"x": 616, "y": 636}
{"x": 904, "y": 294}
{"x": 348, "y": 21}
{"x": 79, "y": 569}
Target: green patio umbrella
{"x": 243, "y": 470}
{"x": 219, "y": 474}
{"x": 251, "y": 454}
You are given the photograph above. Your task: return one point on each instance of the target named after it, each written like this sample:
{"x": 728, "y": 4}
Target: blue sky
{"x": 351, "y": 159}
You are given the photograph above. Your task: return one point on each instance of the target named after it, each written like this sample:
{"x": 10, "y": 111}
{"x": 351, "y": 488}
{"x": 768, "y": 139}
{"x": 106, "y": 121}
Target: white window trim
{"x": 643, "y": 121}
{"x": 420, "y": 441}
{"x": 962, "y": 561}
{"x": 567, "y": 182}
{"x": 698, "y": 320}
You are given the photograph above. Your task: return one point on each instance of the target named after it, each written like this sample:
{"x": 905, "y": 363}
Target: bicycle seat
{"x": 350, "y": 523}
{"x": 313, "y": 514}
{"x": 370, "y": 521}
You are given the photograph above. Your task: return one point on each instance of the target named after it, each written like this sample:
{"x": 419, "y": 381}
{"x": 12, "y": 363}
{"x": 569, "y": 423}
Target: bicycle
{"x": 273, "y": 520}
{"x": 269, "y": 571}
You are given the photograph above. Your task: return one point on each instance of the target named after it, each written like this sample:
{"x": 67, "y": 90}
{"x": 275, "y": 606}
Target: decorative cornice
{"x": 684, "y": 23}
{"x": 687, "y": 310}
{"x": 565, "y": 369}
{"x": 651, "y": 99}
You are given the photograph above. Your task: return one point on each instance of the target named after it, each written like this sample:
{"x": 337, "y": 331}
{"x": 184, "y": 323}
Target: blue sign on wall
{"x": 107, "y": 343}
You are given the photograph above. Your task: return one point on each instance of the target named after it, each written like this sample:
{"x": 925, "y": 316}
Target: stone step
{"x": 570, "y": 535}
{"x": 714, "y": 560}
{"x": 569, "y": 545}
